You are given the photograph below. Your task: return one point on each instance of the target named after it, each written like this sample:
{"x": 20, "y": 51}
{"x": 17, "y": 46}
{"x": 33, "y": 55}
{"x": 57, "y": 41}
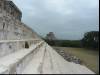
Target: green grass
{"x": 90, "y": 58}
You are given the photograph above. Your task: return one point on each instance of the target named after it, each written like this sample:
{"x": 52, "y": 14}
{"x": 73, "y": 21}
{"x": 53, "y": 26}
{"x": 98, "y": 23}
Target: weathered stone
{"x": 23, "y": 52}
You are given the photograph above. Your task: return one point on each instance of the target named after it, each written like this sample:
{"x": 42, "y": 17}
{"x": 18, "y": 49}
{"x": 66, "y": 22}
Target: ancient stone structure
{"x": 11, "y": 28}
{"x": 50, "y": 36}
{"x": 23, "y": 52}
{"x": 10, "y": 7}
{"x": 10, "y": 24}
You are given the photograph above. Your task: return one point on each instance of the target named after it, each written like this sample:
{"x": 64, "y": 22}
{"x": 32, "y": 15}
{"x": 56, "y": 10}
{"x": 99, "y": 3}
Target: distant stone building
{"x": 50, "y": 36}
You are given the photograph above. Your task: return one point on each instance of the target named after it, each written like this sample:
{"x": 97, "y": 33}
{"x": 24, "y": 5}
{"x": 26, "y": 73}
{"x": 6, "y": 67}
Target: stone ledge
{"x": 3, "y": 69}
{"x": 19, "y": 40}
{"x": 10, "y": 46}
{"x": 16, "y": 58}
{"x": 35, "y": 65}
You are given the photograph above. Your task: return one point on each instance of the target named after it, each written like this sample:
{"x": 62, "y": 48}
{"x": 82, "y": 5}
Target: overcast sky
{"x": 68, "y": 19}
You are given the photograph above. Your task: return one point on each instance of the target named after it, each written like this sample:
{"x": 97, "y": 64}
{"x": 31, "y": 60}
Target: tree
{"x": 91, "y": 39}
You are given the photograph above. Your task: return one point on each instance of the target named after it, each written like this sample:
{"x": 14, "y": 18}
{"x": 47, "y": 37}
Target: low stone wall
{"x": 17, "y": 68}
{"x": 69, "y": 57}
{"x": 7, "y": 47}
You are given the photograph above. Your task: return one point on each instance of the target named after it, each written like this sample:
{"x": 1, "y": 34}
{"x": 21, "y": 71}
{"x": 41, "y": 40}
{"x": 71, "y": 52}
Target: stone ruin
{"x": 22, "y": 51}
{"x": 69, "y": 57}
{"x": 51, "y": 36}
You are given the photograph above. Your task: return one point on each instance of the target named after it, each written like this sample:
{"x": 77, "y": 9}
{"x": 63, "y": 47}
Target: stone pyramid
{"x": 22, "y": 51}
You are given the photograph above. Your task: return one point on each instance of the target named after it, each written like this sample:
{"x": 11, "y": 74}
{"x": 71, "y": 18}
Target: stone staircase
{"x": 48, "y": 61}
{"x": 15, "y": 62}
{"x": 39, "y": 58}
{"x": 22, "y": 51}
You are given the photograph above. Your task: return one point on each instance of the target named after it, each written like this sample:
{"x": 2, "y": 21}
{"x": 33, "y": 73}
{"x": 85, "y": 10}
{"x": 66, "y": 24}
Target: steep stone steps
{"x": 39, "y": 59}
{"x": 15, "y": 62}
{"x": 48, "y": 61}
{"x": 35, "y": 65}
{"x": 66, "y": 67}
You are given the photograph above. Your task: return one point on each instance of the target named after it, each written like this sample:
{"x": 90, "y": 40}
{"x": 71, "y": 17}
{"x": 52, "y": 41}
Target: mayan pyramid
{"x": 22, "y": 51}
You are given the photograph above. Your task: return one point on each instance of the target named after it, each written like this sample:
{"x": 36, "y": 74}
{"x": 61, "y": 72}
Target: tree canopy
{"x": 91, "y": 39}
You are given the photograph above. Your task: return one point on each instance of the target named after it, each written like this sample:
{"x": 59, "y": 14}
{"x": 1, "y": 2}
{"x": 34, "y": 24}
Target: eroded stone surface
{"x": 37, "y": 58}
{"x": 48, "y": 61}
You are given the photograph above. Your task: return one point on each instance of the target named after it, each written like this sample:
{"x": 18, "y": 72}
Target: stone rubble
{"x": 69, "y": 57}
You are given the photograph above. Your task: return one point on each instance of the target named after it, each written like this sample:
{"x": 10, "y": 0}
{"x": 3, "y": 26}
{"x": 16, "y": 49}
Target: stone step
{"x": 3, "y": 69}
{"x": 66, "y": 67}
{"x": 35, "y": 65}
{"x": 15, "y": 62}
{"x": 48, "y": 61}
{"x": 39, "y": 59}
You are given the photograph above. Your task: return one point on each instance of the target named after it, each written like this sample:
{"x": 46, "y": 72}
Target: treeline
{"x": 64, "y": 43}
{"x": 90, "y": 40}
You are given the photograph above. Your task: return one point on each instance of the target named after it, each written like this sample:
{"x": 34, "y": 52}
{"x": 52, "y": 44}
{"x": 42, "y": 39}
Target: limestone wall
{"x": 10, "y": 7}
{"x": 11, "y": 28}
{"x": 7, "y": 47}
{"x": 13, "y": 33}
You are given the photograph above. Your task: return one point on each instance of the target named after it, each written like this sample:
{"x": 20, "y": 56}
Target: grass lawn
{"x": 90, "y": 58}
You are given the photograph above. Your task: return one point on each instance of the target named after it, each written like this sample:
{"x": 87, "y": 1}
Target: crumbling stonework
{"x": 23, "y": 52}
{"x": 69, "y": 57}
{"x": 11, "y": 28}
